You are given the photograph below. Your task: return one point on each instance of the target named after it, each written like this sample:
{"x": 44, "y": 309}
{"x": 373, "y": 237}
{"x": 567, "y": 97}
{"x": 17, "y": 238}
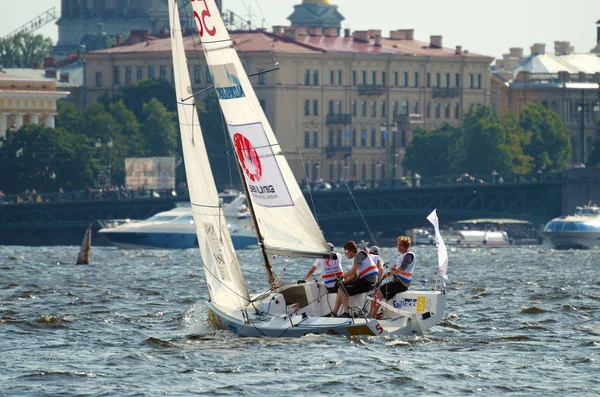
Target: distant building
{"x": 316, "y": 14}
{"x": 27, "y": 100}
{"x": 563, "y": 81}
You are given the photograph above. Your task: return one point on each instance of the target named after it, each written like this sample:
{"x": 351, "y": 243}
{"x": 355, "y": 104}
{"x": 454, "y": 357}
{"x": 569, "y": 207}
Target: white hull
{"x": 574, "y": 239}
{"x": 272, "y": 315}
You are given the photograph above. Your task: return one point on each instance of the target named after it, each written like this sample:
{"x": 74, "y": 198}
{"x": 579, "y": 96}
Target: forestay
{"x": 223, "y": 274}
{"x": 284, "y": 219}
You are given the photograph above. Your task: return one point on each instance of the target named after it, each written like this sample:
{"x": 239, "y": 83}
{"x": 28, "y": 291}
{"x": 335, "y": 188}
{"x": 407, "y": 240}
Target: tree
{"x": 23, "y": 50}
{"x": 136, "y": 96}
{"x": 434, "y": 152}
{"x": 160, "y": 131}
{"x": 549, "y": 146}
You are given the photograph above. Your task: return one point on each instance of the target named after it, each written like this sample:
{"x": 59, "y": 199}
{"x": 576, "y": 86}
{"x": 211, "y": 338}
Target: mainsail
{"x": 283, "y": 217}
{"x": 223, "y": 274}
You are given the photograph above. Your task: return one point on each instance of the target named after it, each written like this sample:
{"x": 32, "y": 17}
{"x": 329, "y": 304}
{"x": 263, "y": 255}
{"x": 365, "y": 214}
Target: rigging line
{"x": 254, "y": 23}
{"x": 205, "y": 206}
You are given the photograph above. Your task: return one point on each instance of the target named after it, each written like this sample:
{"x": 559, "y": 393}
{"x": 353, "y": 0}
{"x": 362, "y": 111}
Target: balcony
{"x": 372, "y": 89}
{"x": 446, "y": 92}
{"x": 338, "y": 151}
{"x": 340, "y": 118}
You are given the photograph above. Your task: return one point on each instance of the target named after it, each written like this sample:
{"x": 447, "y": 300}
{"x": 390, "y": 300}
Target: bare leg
{"x": 344, "y": 299}
{"x": 338, "y": 303}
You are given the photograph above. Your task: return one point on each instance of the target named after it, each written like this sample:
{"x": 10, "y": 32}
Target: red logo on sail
{"x": 248, "y": 157}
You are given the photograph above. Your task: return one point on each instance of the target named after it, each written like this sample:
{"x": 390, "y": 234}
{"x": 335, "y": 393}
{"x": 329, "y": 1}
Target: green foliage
{"x": 135, "y": 96}
{"x": 549, "y": 146}
{"x": 22, "y": 50}
{"x": 160, "y": 131}
{"x": 434, "y": 152}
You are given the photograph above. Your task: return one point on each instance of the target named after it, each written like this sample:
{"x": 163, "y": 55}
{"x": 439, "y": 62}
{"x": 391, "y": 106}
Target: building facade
{"x": 562, "y": 81}
{"x": 27, "y": 101}
{"x": 354, "y": 99}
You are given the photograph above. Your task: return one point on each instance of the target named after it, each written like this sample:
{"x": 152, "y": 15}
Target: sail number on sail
{"x": 201, "y": 20}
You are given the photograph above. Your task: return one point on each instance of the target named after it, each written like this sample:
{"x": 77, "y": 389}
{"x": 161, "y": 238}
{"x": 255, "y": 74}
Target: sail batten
{"x": 284, "y": 219}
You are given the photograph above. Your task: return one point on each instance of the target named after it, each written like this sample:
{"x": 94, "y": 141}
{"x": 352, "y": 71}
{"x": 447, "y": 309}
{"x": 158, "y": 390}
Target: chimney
{"x": 410, "y": 34}
{"x": 49, "y": 62}
{"x": 538, "y": 48}
{"x": 436, "y": 42}
{"x": 499, "y": 64}
{"x": 64, "y": 77}
{"x": 516, "y": 52}
{"x": 316, "y": 31}
{"x": 508, "y": 65}
{"x": 562, "y": 47}
{"x": 361, "y": 35}
{"x": 290, "y": 32}
{"x": 347, "y": 33}
{"x": 378, "y": 40}
{"x": 398, "y": 34}
{"x": 301, "y": 31}
{"x": 51, "y": 72}
{"x": 458, "y": 50}
{"x": 278, "y": 29}
{"x": 374, "y": 33}
{"x": 331, "y": 32}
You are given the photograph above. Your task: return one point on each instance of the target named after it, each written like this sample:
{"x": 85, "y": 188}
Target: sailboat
{"x": 283, "y": 222}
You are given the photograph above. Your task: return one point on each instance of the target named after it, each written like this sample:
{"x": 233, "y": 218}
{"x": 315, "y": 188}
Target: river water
{"x": 519, "y": 321}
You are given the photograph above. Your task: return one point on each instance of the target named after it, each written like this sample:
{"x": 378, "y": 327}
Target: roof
{"x": 552, "y": 63}
{"x": 249, "y": 41}
{"x": 492, "y": 220}
{"x": 75, "y": 75}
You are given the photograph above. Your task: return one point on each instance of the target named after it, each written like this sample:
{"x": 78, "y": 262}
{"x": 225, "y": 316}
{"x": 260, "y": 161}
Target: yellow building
{"x": 27, "y": 101}
{"x": 354, "y": 98}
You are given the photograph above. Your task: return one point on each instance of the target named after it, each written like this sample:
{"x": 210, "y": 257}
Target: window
{"x": 315, "y": 107}
{"x": 330, "y": 172}
{"x": 447, "y": 79}
{"x": 128, "y": 74}
{"x": 373, "y": 109}
{"x": 395, "y": 109}
{"x": 307, "y": 107}
{"x": 306, "y": 139}
{"x": 457, "y": 80}
{"x": 364, "y": 172}
{"x": 383, "y": 78}
{"x": 428, "y": 80}
{"x": 363, "y": 138}
{"x": 373, "y": 171}
{"x": 438, "y": 80}
{"x": 330, "y": 142}
{"x": 338, "y": 138}
{"x": 404, "y": 108}
{"x": 261, "y": 77}
{"x": 208, "y": 75}
{"x": 471, "y": 80}
{"x": 428, "y": 110}
{"x": 456, "y": 111}
{"x": 354, "y": 78}
{"x": 479, "y": 81}
{"x": 373, "y": 77}
{"x": 339, "y": 107}
{"x": 331, "y": 77}
{"x": 163, "y": 72}
{"x": 307, "y": 77}
{"x": 416, "y": 79}
{"x": 395, "y": 79}
{"x": 447, "y": 110}
{"x": 117, "y": 75}
{"x": 98, "y": 79}
{"x": 316, "y": 77}
{"x": 151, "y": 72}
{"x": 331, "y": 111}
{"x": 139, "y": 73}
{"x": 339, "y": 77}
{"x": 353, "y": 138}
{"x": 405, "y": 79}
{"x": 363, "y": 108}
{"x": 373, "y": 138}
{"x": 315, "y": 139}
{"x": 383, "y": 109}
{"x": 438, "y": 110}
{"x": 403, "y": 139}
{"x": 416, "y": 108}
{"x": 363, "y": 76}
{"x": 353, "y": 108}
{"x": 262, "y": 104}
{"x": 384, "y": 135}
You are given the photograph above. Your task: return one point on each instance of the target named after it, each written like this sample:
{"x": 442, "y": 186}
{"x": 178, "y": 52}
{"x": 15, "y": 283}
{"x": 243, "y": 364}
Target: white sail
{"x": 284, "y": 219}
{"x": 441, "y": 247}
{"x": 225, "y": 281}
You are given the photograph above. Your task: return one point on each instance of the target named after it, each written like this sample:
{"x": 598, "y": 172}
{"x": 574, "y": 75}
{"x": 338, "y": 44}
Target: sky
{"x": 480, "y": 26}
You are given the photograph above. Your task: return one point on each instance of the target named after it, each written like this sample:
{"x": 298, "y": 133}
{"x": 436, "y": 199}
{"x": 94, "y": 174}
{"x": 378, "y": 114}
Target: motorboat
{"x": 477, "y": 238}
{"x": 423, "y": 237}
{"x": 581, "y": 230}
{"x": 175, "y": 229}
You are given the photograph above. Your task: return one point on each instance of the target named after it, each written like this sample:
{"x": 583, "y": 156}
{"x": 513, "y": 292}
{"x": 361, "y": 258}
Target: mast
{"x": 261, "y": 246}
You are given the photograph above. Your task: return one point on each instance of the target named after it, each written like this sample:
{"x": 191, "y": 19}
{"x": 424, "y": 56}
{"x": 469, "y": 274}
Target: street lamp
{"x": 109, "y": 145}
{"x": 393, "y": 154}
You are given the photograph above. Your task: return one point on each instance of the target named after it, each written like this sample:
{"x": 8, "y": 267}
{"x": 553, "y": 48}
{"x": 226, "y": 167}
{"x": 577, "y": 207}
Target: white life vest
{"x": 367, "y": 267}
{"x": 330, "y": 269}
{"x": 406, "y": 274}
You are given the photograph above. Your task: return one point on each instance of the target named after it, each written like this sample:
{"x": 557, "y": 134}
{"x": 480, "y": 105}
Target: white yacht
{"x": 581, "y": 230}
{"x": 175, "y": 229}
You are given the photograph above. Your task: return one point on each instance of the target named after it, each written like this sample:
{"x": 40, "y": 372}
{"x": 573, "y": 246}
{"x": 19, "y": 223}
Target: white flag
{"x": 441, "y": 248}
